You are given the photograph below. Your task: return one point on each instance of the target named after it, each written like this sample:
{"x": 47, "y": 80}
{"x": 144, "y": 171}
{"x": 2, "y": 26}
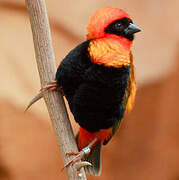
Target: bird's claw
{"x": 78, "y": 157}
{"x": 51, "y": 85}
{"x": 82, "y": 164}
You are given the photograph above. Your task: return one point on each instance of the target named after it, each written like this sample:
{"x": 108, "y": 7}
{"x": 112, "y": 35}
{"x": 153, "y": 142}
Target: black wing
{"x": 72, "y": 69}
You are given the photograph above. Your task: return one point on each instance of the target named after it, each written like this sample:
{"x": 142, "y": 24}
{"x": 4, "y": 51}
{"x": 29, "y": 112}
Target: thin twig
{"x": 46, "y": 67}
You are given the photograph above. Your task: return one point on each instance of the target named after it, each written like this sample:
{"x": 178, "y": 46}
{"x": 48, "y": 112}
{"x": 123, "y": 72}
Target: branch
{"x": 46, "y": 67}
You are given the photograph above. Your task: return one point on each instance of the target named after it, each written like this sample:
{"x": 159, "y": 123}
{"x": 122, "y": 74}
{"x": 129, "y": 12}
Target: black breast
{"x": 98, "y": 101}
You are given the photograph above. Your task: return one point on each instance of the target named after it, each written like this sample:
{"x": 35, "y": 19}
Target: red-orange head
{"x": 109, "y": 20}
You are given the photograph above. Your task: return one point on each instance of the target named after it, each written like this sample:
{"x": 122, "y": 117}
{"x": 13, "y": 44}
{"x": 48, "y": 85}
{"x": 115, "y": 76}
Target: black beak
{"x": 131, "y": 29}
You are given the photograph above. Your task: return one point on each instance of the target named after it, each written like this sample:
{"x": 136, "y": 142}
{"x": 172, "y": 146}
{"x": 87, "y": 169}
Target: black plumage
{"x": 118, "y": 27}
{"x": 95, "y": 93}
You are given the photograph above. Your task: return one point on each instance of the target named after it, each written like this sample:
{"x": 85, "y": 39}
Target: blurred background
{"x": 147, "y": 145}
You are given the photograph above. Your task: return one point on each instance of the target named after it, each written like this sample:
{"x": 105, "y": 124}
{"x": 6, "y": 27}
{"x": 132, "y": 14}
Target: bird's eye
{"x": 118, "y": 26}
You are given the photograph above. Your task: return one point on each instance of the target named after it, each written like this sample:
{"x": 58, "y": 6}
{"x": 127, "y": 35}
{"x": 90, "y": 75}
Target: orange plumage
{"x": 110, "y": 51}
{"x": 101, "y": 19}
{"x": 85, "y": 137}
{"x": 131, "y": 87}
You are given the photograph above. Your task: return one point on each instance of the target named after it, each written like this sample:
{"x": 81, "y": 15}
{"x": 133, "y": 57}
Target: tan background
{"x": 147, "y": 145}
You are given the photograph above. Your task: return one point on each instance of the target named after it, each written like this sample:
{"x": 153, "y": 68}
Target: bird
{"x": 97, "y": 78}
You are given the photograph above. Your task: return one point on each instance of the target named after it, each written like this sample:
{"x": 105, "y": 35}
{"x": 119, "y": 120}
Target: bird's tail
{"x": 94, "y": 157}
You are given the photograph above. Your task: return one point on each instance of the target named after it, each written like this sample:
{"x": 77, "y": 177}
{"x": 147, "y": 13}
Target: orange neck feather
{"x": 111, "y": 51}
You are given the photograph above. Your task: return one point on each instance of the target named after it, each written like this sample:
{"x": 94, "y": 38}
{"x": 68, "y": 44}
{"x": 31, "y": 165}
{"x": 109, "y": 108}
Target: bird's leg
{"x": 52, "y": 85}
{"x": 81, "y": 154}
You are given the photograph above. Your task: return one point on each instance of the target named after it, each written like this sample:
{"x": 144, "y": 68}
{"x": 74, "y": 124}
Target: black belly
{"x": 97, "y": 101}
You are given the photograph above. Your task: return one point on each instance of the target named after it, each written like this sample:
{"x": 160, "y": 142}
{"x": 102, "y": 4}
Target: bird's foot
{"x": 80, "y": 155}
{"x": 51, "y": 85}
